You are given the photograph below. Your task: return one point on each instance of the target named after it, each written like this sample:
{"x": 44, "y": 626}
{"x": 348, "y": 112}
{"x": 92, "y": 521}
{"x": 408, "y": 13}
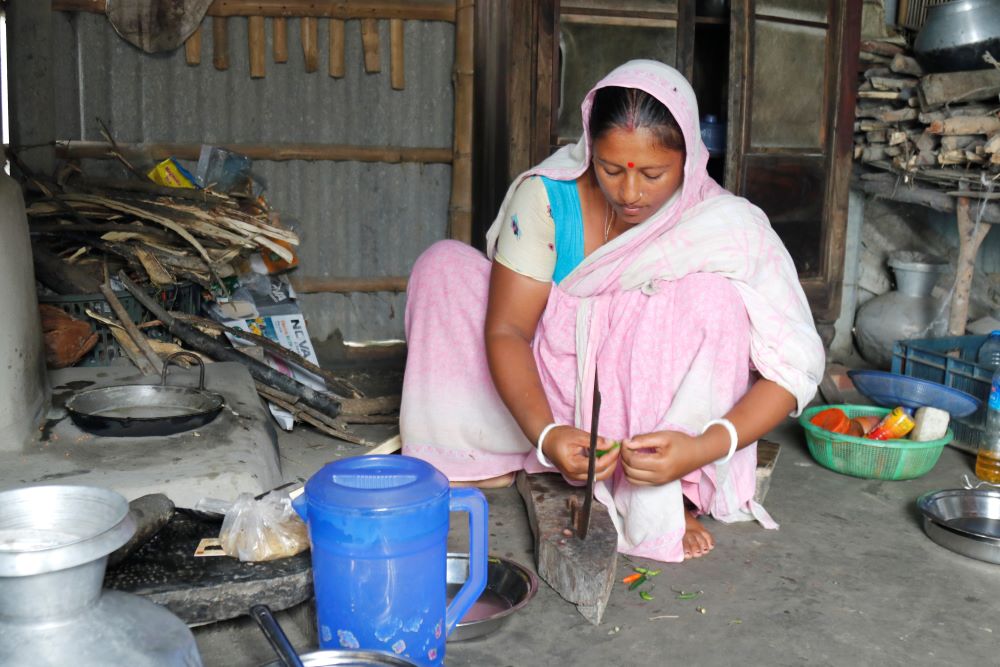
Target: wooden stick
{"x": 279, "y": 26}
{"x": 417, "y": 10}
{"x": 460, "y": 207}
{"x": 904, "y": 64}
{"x": 935, "y": 199}
{"x": 966, "y": 125}
{"x": 369, "y": 41}
{"x": 336, "y": 65}
{"x": 192, "y": 48}
{"x": 396, "y": 58}
{"x": 275, "y": 152}
{"x": 220, "y": 43}
{"x": 59, "y": 276}
{"x": 260, "y": 371}
{"x": 336, "y": 384}
{"x": 969, "y": 240}
{"x": 320, "y": 285}
{"x": 379, "y": 405}
{"x": 257, "y": 43}
{"x": 309, "y": 29}
{"x": 306, "y": 414}
{"x": 155, "y": 364}
{"x": 937, "y": 90}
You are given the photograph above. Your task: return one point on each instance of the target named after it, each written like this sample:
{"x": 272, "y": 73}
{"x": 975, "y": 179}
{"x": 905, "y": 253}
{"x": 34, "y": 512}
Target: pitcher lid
{"x": 376, "y": 482}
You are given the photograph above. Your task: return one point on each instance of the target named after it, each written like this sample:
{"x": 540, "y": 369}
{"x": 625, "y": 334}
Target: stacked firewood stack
{"x": 940, "y": 128}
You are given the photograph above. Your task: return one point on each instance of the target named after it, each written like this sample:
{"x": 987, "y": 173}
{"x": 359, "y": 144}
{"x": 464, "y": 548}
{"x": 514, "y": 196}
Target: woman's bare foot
{"x": 498, "y": 482}
{"x": 697, "y": 541}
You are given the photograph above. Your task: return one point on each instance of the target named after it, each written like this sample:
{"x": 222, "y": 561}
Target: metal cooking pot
{"x": 146, "y": 409}
{"x": 957, "y": 34}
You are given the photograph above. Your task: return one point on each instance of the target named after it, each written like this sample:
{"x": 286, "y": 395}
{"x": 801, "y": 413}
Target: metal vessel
{"x": 957, "y": 34}
{"x": 54, "y": 546}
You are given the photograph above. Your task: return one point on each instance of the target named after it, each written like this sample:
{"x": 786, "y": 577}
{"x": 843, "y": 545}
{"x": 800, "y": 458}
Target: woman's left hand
{"x": 664, "y": 456}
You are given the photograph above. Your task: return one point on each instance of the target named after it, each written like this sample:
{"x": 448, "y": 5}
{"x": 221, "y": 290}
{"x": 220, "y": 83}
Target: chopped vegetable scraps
{"x": 614, "y": 445}
{"x": 638, "y": 582}
{"x": 645, "y": 596}
{"x": 631, "y": 578}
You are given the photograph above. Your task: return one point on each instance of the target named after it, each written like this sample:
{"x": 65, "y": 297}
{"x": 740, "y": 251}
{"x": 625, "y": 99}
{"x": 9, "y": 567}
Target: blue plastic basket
{"x": 892, "y": 389}
{"x": 950, "y": 361}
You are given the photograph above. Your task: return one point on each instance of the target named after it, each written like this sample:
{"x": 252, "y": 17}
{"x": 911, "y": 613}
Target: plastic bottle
{"x": 989, "y": 352}
{"x": 988, "y": 459}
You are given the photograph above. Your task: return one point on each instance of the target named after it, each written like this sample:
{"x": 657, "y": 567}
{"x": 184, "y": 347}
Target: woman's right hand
{"x": 568, "y": 448}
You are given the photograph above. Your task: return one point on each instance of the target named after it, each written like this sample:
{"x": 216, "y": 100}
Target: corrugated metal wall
{"x": 356, "y": 219}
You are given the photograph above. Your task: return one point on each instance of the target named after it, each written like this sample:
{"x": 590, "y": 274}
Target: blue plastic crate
{"x": 950, "y": 361}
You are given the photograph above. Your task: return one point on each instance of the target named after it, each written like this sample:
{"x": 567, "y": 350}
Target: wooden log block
{"x": 370, "y": 44}
{"x": 877, "y": 136}
{"x": 150, "y": 513}
{"x": 927, "y": 141}
{"x": 192, "y": 48}
{"x": 993, "y": 144}
{"x": 928, "y": 117}
{"x": 951, "y": 157}
{"x": 336, "y": 65}
{"x": 880, "y": 95}
{"x": 581, "y": 571}
{"x": 893, "y": 151}
{"x": 966, "y": 125}
{"x": 878, "y": 70}
{"x": 220, "y": 43}
{"x": 904, "y": 64}
{"x": 881, "y": 48}
{"x": 279, "y": 29}
{"x": 257, "y": 45}
{"x": 897, "y": 115}
{"x": 396, "y": 54}
{"x": 310, "y": 42}
{"x": 60, "y": 276}
{"x": 892, "y": 83}
{"x": 865, "y": 57}
{"x": 872, "y": 125}
{"x": 939, "y": 201}
{"x": 874, "y": 153}
{"x": 897, "y": 137}
{"x": 956, "y": 141}
{"x": 937, "y": 90}
{"x": 869, "y": 111}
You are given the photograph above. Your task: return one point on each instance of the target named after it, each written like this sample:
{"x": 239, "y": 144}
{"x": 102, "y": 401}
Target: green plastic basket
{"x": 869, "y": 459}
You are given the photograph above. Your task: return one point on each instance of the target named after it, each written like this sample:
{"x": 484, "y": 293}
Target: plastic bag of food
{"x": 265, "y": 529}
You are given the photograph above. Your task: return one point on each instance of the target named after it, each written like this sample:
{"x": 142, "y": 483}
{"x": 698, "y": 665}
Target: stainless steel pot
{"x": 139, "y": 410}
{"x": 350, "y": 659}
{"x": 54, "y": 546}
{"x": 957, "y": 34}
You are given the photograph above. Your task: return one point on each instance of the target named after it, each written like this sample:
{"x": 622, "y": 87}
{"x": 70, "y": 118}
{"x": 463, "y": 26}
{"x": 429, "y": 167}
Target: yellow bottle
{"x": 988, "y": 466}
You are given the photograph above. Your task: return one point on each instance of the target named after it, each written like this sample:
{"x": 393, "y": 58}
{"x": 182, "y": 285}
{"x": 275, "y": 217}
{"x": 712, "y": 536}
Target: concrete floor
{"x": 849, "y": 579}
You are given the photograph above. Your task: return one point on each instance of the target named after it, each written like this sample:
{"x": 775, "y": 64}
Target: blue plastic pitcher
{"x": 379, "y": 532}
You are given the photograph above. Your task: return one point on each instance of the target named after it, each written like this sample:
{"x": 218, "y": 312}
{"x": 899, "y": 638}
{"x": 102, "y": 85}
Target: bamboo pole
{"x": 396, "y": 58}
{"x": 279, "y": 26}
{"x": 192, "y": 48}
{"x": 257, "y": 45}
{"x": 309, "y": 27}
{"x": 220, "y": 43}
{"x": 153, "y": 362}
{"x": 369, "y": 41}
{"x": 417, "y": 10}
{"x": 460, "y": 208}
{"x": 275, "y": 152}
{"x": 320, "y": 285}
{"x": 336, "y": 64}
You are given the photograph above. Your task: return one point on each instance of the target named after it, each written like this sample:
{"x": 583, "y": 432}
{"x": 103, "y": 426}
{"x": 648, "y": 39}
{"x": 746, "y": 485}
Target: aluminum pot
{"x": 957, "y": 34}
{"x": 350, "y": 659}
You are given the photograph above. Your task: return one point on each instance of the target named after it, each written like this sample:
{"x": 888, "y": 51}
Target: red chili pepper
{"x": 630, "y": 578}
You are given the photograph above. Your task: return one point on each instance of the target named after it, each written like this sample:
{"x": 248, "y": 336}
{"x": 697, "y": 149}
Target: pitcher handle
{"x": 473, "y": 502}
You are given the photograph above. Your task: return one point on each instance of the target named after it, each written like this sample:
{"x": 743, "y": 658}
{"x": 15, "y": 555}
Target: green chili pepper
{"x": 645, "y": 596}
{"x": 642, "y": 570}
{"x": 638, "y": 582}
{"x": 653, "y": 573}
{"x": 614, "y": 445}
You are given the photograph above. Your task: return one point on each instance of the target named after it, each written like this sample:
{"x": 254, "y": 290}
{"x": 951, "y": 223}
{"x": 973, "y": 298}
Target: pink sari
{"x": 673, "y": 313}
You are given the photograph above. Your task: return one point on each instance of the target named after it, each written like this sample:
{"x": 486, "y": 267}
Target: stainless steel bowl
{"x": 957, "y": 34}
{"x": 350, "y": 659}
{"x": 509, "y": 586}
{"x": 967, "y": 521}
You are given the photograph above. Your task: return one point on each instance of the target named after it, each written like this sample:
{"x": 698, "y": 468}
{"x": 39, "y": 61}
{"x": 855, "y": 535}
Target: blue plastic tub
{"x": 950, "y": 361}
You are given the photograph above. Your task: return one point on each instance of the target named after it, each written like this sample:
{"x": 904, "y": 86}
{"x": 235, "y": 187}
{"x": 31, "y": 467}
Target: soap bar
{"x": 931, "y": 424}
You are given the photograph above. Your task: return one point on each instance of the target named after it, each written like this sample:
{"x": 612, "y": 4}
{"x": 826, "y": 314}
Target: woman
{"x": 617, "y": 256}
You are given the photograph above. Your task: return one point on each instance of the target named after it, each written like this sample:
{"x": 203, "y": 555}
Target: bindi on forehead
{"x": 631, "y": 165}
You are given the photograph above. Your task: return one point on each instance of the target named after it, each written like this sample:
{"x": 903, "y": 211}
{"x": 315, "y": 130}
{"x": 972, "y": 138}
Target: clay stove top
{"x": 237, "y": 452}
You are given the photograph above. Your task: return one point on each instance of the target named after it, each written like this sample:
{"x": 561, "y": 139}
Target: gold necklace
{"x": 609, "y": 220}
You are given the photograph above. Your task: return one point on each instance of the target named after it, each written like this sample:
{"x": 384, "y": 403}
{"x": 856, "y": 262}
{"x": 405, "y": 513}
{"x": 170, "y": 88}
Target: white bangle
{"x": 541, "y": 439}
{"x": 733, "y": 437}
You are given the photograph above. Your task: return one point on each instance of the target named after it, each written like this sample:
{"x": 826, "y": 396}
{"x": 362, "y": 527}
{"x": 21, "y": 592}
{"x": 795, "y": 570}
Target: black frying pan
{"x": 146, "y": 409}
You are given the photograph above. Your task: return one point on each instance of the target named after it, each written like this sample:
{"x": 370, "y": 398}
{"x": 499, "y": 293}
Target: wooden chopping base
{"x": 581, "y": 571}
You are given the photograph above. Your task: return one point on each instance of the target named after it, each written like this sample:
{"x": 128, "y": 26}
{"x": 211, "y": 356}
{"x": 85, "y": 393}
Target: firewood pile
{"x": 942, "y": 129}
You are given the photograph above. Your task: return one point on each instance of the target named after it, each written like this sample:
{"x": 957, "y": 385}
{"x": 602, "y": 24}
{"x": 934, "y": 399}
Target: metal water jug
{"x": 378, "y": 526}
{"x": 54, "y": 546}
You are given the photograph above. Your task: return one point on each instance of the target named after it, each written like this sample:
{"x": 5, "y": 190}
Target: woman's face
{"x": 636, "y": 173}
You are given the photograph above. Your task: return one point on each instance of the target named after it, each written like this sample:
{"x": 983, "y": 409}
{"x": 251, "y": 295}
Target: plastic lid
{"x": 376, "y": 482}
{"x": 710, "y": 118}
{"x": 995, "y": 332}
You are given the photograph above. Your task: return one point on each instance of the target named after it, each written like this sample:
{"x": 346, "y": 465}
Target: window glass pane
{"x": 591, "y": 50}
{"x": 802, "y": 10}
{"x": 788, "y": 102}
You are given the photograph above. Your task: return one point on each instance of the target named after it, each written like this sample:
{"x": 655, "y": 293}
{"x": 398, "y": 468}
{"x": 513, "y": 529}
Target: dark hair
{"x": 631, "y": 108}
